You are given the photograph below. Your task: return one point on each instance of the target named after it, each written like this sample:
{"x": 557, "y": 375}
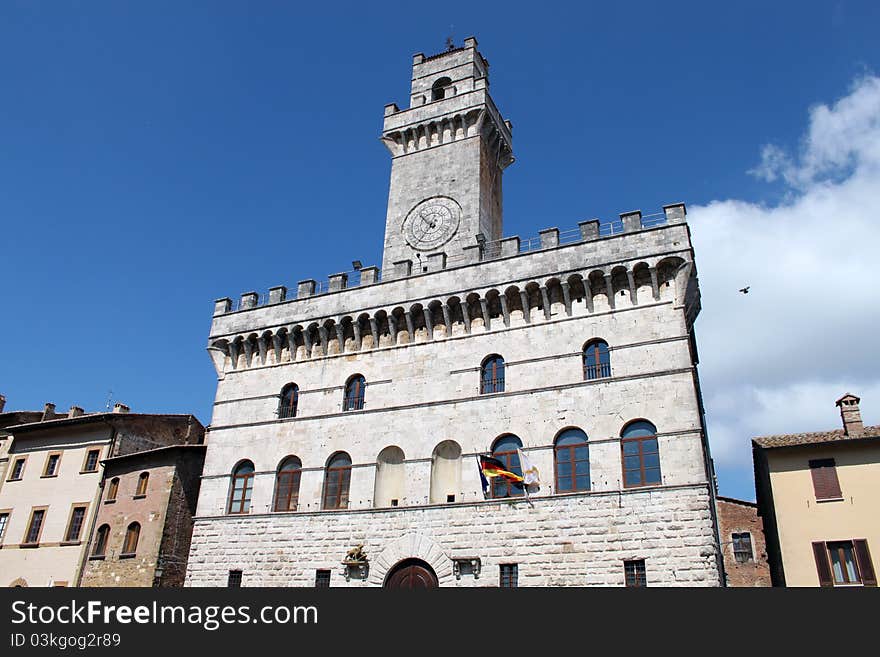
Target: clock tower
{"x": 448, "y": 152}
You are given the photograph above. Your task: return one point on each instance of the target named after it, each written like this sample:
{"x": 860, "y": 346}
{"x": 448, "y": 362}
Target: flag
{"x": 491, "y": 467}
{"x": 483, "y": 479}
{"x": 530, "y": 472}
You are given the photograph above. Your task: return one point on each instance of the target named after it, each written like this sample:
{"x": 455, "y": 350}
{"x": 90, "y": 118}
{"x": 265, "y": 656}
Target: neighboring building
{"x": 8, "y": 419}
{"x": 53, "y": 483}
{"x": 817, "y": 495}
{"x": 144, "y": 522}
{"x": 351, "y": 414}
{"x": 742, "y": 543}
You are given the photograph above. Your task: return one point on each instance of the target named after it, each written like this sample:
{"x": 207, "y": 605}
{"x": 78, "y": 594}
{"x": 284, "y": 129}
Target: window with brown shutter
{"x": 822, "y": 566}
{"x": 863, "y": 558}
{"x": 132, "y": 534}
{"x": 825, "y": 482}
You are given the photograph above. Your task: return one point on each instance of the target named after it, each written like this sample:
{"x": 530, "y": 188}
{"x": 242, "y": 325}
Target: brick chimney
{"x": 48, "y": 411}
{"x": 119, "y": 407}
{"x": 75, "y": 411}
{"x": 849, "y": 413}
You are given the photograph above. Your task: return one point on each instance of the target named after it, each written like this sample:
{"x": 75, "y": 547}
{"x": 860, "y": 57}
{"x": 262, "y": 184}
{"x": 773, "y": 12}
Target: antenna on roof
{"x": 450, "y": 40}
{"x": 109, "y": 399}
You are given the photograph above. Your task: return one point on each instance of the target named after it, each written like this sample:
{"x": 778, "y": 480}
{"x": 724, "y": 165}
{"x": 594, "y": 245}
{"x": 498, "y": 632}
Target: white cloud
{"x": 841, "y": 139}
{"x": 775, "y": 360}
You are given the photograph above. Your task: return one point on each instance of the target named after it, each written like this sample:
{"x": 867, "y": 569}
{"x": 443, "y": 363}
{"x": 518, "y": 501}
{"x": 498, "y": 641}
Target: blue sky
{"x": 161, "y": 155}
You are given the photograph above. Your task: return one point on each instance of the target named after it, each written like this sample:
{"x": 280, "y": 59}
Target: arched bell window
{"x": 440, "y": 88}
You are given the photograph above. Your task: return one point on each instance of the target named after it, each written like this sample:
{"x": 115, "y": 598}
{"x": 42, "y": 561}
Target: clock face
{"x": 432, "y": 223}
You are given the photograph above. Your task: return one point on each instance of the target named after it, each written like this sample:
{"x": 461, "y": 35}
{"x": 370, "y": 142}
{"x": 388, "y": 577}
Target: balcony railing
{"x": 600, "y": 371}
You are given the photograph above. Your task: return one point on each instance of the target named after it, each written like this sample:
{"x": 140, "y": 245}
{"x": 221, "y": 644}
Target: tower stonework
{"x": 448, "y": 151}
{"x": 350, "y": 416}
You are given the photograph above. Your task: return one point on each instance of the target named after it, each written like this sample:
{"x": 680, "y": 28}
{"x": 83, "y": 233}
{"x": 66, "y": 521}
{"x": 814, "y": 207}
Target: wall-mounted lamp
{"x": 357, "y": 265}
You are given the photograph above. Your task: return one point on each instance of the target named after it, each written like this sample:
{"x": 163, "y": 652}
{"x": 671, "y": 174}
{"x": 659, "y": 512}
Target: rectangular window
{"x": 825, "y": 483}
{"x": 4, "y": 520}
{"x": 32, "y": 537}
{"x": 52, "y": 465}
{"x": 509, "y": 575}
{"x": 234, "y": 581}
{"x": 17, "y": 469}
{"x": 742, "y": 547}
{"x": 74, "y": 527}
{"x": 91, "y": 464}
{"x": 322, "y": 579}
{"x": 844, "y": 563}
{"x": 634, "y": 573}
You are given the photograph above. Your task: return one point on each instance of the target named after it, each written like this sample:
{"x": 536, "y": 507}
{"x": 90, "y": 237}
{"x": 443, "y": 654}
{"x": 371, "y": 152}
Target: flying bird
{"x": 745, "y": 290}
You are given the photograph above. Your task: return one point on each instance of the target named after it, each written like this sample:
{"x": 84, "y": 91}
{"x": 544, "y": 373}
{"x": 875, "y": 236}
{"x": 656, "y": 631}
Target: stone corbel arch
{"x": 409, "y": 546}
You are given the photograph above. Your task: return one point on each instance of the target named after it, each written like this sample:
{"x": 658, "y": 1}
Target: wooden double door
{"x": 411, "y": 574}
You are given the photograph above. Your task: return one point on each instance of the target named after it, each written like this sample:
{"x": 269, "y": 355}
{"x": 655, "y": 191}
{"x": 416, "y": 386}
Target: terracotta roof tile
{"x": 791, "y": 439}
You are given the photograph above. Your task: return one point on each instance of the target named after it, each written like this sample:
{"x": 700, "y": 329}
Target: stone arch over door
{"x": 412, "y": 546}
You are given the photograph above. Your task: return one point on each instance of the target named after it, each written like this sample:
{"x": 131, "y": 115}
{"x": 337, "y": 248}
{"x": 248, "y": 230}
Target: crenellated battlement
{"x": 587, "y": 231}
{"x": 636, "y": 261}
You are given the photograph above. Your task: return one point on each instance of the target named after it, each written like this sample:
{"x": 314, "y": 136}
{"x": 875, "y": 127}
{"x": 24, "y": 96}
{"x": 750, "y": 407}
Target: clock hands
{"x": 430, "y": 224}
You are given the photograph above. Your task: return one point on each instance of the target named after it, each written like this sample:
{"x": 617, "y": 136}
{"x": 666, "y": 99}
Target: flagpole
{"x": 528, "y": 499}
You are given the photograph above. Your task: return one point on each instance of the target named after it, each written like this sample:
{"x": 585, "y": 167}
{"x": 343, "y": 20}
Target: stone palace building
{"x": 349, "y": 414}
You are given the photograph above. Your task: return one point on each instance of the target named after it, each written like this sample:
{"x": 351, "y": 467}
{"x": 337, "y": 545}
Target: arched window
{"x": 505, "y": 451}
{"x": 492, "y": 374}
{"x": 112, "y": 489}
{"x": 337, "y": 478}
{"x": 438, "y": 89}
{"x": 572, "y": 461}
{"x": 289, "y": 400}
{"x": 99, "y": 548}
{"x": 390, "y": 477}
{"x": 242, "y": 487}
{"x": 354, "y": 393}
{"x": 143, "y": 480}
{"x": 129, "y": 546}
{"x": 287, "y": 484}
{"x": 445, "y": 472}
{"x": 597, "y": 360}
{"x": 641, "y": 456}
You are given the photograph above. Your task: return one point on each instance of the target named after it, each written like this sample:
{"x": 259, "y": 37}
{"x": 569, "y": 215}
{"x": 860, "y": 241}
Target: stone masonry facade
{"x": 572, "y": 540}
{"x": 164, "y": 512}
{"x": 418, "y": 333}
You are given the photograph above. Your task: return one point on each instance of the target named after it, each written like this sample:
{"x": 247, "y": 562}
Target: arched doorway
{"x": 411, "y": 574}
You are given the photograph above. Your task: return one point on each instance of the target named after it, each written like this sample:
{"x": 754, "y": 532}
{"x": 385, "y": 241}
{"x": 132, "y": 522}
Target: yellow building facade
{"x": 817, "y": 494}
